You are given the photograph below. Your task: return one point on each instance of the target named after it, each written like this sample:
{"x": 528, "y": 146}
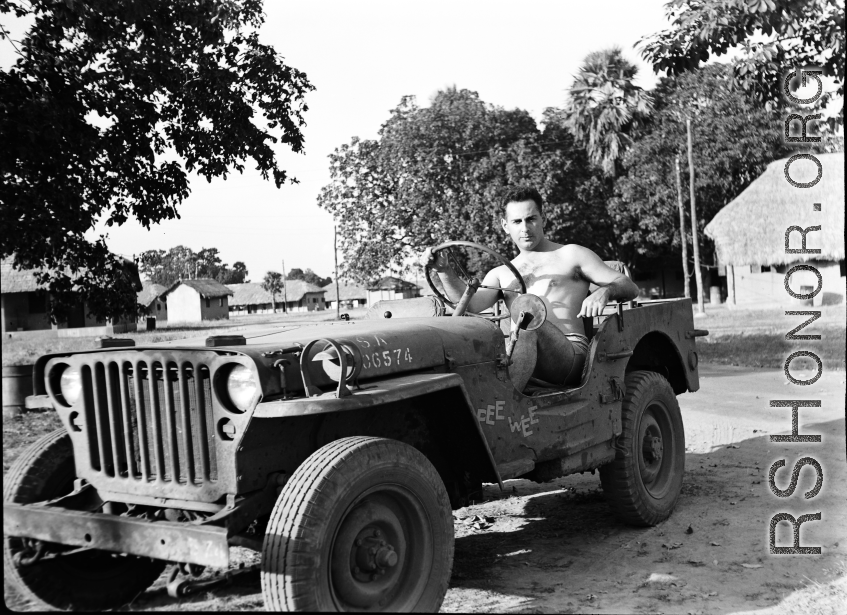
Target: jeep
{"x": 336, "y": 450}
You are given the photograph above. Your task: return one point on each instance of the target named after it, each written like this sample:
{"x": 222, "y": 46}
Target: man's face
{"x": 524, "y": 223}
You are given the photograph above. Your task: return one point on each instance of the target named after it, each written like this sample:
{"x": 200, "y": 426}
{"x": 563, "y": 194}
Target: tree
{"x": 734, "y": 141}
{"x": 308, "y": 276}
{"x": 434, "y": 174}
{"x": 798, "y": 33}
{"x": 209, "y": 264}
{"x": 273, "y": 283}
{"x": 165, "y": 268}
{"x": 581, "y": 198}
{"x": 237, "y": 275}
{"x": 111, "y": 104}
{"x": 604, "y": 107}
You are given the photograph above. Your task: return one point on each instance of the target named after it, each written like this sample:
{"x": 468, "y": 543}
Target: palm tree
{"x": 604, "y": 106}
{"x": 273, "y": 283}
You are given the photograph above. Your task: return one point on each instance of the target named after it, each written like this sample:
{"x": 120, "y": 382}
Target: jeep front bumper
{"x": 165, "y": 540}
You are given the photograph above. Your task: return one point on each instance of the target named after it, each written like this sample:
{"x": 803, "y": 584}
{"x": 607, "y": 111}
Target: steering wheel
{"x": 460, "y": 307}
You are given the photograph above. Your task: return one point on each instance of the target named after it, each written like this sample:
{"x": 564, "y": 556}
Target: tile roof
{"x": 249, "y": 293}
{"x": 16, "y": 280}
{"x": 252, "y": 293}
{"x": 150, "y": 293}
{"x": 348, "y": 292}
{"x": 295, "y": 289}
{"x": 205, "y": 287}
{"x": 23, "y": 280}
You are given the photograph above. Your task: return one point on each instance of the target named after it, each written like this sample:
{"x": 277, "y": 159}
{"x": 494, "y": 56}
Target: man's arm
{"x": 454, "y": 288}
{"x": 614, "y": 286}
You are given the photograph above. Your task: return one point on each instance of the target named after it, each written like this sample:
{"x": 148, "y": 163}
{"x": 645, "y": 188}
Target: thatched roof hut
{"x": 205, "y": 287}
{"x": 750, "y": 230}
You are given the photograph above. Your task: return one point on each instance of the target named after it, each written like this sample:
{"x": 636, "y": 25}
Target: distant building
{"x": 150, "y": 298}
{"x": 749, "y": 235}
{"x": 24, "y": 307}
{"x": 251, "y": 298}
{"x": 351, "y": 296}
{"x": 303, "y": 297}
{"x": 389, "y": 288}
{"x": 196, "y": 300}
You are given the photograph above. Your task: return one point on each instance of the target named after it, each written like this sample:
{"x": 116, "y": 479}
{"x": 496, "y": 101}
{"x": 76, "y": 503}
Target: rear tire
{"x": 363, "y": 523}
{"x": 644, "y": 481}
{"x": 90, "y": 580}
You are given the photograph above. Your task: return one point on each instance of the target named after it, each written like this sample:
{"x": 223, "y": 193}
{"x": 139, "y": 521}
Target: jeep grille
{"x": 150, "y": 421}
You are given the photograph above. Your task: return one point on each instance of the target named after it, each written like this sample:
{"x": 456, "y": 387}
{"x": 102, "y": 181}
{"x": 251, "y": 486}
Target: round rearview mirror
{"x": 530, "y": 305}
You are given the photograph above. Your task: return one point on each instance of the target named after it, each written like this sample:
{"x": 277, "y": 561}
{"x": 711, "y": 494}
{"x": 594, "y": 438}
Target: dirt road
{"x": 557, "y": 548}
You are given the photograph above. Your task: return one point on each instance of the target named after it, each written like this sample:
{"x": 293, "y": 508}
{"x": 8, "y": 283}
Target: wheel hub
{"x": 653, "y": 448}
{"x": 373, "y": 554}
{"x": 368, "y": 556}
{"x": 652, "y": 451}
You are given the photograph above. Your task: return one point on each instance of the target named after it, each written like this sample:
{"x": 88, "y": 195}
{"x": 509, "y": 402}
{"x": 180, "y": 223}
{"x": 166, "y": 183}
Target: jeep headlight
{"x": 241, "y": 387}
{"x": 70, "y": 384}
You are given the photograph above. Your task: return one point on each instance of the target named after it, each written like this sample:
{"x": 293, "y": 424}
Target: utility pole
{"x": 337, "y": 293}
{"x": 686, "y": 274}
{"x": 284, "y": 290}
{"x": 701, "y": 309}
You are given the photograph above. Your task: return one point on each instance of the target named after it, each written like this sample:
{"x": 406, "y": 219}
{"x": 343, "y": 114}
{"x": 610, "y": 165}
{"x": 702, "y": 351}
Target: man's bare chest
{"x": 544, "y": 276}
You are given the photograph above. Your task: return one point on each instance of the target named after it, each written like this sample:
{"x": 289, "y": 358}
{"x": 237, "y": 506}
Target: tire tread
{"x": 312, "y": 487}
{"x": 620, "y": 478}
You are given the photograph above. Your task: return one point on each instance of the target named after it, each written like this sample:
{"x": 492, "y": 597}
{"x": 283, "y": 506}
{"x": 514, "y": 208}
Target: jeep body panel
{"x": 558, "y": 423}
{"x": 437, "y": 383}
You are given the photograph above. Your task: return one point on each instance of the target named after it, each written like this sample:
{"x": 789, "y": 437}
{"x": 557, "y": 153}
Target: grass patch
{"x": 21, "y": 432}
{"x": 771, "y": 350}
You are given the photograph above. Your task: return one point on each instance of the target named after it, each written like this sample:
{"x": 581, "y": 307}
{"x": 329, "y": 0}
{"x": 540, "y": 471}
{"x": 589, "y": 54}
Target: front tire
{"x": 363, "y": 523}
{"x": 90, "y": 580}
{"x": 644, "y": 481}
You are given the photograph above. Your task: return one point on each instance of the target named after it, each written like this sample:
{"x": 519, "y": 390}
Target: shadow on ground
{"x": 563, "y": 550}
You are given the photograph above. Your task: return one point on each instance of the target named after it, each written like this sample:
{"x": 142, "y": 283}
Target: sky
{"x": 362, "y": 57}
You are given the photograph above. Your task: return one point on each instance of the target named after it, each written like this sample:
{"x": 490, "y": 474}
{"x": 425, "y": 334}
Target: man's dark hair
{"x": 518, "y": 194}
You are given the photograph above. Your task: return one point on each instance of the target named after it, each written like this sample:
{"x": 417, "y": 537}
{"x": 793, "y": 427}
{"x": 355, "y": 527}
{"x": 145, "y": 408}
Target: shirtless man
{"x": 558, "y": 274}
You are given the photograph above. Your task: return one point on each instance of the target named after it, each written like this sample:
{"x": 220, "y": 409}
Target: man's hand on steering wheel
{"x": 438, "y": 259}
{"x": 435, "y": 260}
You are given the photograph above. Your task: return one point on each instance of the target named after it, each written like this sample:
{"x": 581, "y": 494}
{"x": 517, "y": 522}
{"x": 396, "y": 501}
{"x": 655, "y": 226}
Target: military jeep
{"x": 335, "y": 450}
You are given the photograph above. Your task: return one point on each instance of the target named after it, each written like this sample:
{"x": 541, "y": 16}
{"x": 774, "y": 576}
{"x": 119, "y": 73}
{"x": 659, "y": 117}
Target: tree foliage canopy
{"x": 308, "y": 276}
{"x": 734, "y": 138}
{"x": 798, "y": 33}
{"x": 437, "y": 173}
{"x": 604, "y": 107}
{"x": 166, "y": 267}
{"x": 273, "y": 283}
{"x": 109, "y": 107}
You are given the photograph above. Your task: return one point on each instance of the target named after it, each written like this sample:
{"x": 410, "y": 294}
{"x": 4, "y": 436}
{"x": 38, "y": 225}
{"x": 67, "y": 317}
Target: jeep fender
{"x": 443, "y": 393}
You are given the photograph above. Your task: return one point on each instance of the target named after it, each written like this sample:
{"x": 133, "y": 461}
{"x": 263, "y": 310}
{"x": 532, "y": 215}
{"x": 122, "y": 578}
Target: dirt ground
{"x": 557, "y": 548}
